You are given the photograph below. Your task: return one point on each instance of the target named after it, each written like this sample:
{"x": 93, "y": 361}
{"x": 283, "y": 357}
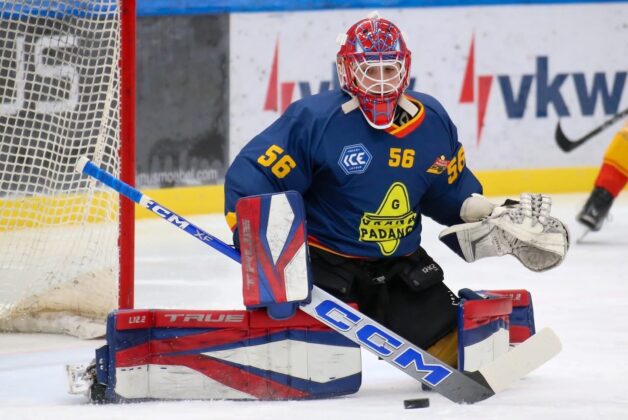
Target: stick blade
{"x": 522, "y": 360}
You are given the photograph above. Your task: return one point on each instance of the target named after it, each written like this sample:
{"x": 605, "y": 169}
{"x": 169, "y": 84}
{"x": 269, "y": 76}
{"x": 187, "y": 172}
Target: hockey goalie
{"x": 332, "y": 195}
{"x": 271, "y": 351}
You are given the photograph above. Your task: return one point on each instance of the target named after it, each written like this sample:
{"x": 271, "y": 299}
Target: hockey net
{"x": 59, "y": 99}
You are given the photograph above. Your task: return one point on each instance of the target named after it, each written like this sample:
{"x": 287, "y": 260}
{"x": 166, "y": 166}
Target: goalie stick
{"x": 568, "y": 145}
{"x": 457, "y": 386}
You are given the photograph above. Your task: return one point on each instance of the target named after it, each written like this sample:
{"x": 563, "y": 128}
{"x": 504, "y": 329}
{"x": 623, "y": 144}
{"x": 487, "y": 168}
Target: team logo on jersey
{"x": 439, "y": 166}
{"x": 393, "y": 220}
{"x": 354, "y": 159}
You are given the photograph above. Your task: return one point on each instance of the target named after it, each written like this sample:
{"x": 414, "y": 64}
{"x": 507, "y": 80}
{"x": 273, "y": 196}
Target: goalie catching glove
{"x": 524, "y": 229}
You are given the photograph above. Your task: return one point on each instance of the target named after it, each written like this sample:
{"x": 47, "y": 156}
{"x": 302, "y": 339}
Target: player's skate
{"x": 82, "y": 381}
{"x": 80, "y": 377}
{"x": 595, "y": 210}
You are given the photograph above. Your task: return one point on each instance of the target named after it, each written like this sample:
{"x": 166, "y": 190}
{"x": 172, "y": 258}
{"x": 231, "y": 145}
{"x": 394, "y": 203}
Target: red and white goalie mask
{"x": 373, "y": 66}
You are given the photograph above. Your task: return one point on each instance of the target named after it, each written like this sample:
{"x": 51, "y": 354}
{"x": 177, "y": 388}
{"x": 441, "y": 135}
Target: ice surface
{"x": 585, "y": 300}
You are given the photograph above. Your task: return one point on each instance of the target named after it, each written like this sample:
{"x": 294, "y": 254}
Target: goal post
{"x": 67, "y": 89}
{"x": 127, "y": 152}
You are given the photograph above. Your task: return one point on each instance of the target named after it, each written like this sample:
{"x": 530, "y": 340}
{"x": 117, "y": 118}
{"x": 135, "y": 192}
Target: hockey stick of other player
{"x": 568, "y": 145}
{"x": 459, "y": 387}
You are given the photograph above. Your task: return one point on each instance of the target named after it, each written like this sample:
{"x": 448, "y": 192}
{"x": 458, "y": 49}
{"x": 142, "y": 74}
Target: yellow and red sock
{"x": 614, "y": 172}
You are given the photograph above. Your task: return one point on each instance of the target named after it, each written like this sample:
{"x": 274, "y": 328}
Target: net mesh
{"x": 59, "y": 81}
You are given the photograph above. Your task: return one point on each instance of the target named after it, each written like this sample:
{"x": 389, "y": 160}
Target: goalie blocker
{"x": 275, "y": 260}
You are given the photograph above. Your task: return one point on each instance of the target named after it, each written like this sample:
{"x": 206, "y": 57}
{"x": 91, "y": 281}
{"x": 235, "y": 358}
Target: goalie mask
{"x": 373, "y": 66}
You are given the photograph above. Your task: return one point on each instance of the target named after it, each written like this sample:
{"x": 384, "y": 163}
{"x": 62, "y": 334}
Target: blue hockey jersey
{"x": 364, "y": 189}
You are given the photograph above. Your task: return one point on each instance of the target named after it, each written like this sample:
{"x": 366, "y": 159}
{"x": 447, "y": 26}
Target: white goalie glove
{"x": 525, "y": 230}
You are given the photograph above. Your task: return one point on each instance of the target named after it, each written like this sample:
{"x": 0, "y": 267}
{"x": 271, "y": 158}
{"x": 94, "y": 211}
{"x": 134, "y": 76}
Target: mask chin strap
{"x": 405, "y": 104}
{"x": 351, "y": 105}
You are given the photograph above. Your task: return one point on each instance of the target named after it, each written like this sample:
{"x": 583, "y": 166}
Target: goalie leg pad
{"x": 275, "y": 261}
{"x": 238, "y": 355}
{"x": 521, "y": 319}
{"x": 482, "y": 330}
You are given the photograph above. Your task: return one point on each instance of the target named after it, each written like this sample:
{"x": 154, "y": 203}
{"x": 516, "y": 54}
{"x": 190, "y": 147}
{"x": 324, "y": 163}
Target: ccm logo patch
{"x": 379, "y": 341}
{"x": 354, "y": 159}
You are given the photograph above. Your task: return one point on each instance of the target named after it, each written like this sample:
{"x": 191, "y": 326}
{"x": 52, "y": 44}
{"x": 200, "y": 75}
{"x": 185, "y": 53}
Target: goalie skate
{"x": 81, "y": 377}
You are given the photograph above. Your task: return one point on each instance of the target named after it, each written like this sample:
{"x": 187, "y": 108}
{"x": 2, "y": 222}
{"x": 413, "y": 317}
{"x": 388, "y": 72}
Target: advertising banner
{"x": 182, "y": 100}
{"x": 508, "y": 75}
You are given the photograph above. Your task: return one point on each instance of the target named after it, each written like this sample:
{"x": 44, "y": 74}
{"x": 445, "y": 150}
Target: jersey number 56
{"x": 280, "y": 164}
{"x": 455, "y": 167}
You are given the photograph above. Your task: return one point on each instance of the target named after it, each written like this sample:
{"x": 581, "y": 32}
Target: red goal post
{"x": 127, "y": 152}
{"x": 67, "y": 88}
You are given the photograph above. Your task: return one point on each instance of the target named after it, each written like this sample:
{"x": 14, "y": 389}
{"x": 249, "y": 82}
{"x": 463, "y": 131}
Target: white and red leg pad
{"x": 275, "y": 260}
{"x": 482, "y": 331}
{"x": 192, "y": 354}
{"x": 522, "y": 317}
